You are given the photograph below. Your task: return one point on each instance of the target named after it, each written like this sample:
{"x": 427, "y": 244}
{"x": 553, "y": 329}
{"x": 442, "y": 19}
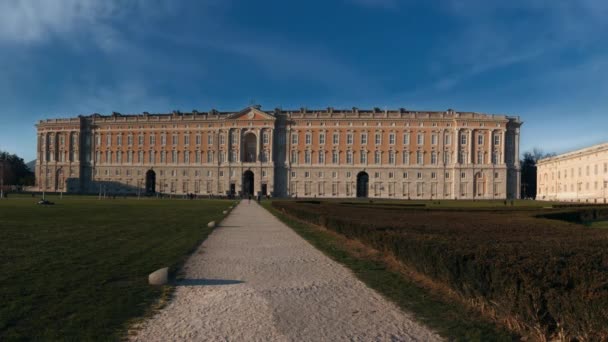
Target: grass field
{"x": 543, "y": 278}
{"x": 78, "y": 270}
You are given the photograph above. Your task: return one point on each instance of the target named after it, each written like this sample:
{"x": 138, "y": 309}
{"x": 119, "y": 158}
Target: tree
{"x": 528, "y": 171}
{"x": 14, "y": 170}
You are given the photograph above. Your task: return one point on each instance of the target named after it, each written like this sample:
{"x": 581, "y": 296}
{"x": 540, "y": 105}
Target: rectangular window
{"x": 187, "y": 157}
{"x": 434, "y": 139}
{"x": 266, "y": 138}
{"x": 321, "y": 157}
{"x": 406, "y": 158}
{"x": 294, "y": 157}
{"x": 334, "y": 157}
{"x": 349, "y": 157}
{"x": 434, "y": 158}
{"x": 163, "y": 139}
{"x": 349, "y": 139}
{"x": 420, "y": 139}
{"x": 152, "y": 139}
{"x": 378, "y": 138}
{"x": 163, "y": 156}
{"x": 307, "y": 158}
{"x": 140, "y": 156}
{"x": 419, "y": 158}
{"x": 209, "y": 138}
{"x": 308, "y": 138}
{"x": 363, "y": 157}
{"x": 210, "y": 157}
{"x": 480, "y": 157}
{"x": 406, "y": 138}
{"x": 336, "y": 138}
{"x": 377, "y": 157}
{"x": 222, "y": 139}
{"x": 197, "y": 157}
{"x": 140, "y": 139}
{"x": 447, "y": 139}
{"x": 363, "y": 138}
{"x": 130, "y": 140}
{"x": 322, "y": 138}
{"x": 151, "y": 157}
{"x": 391, "y": 157}
{"x": 174, "y": 156}
{"x": 463, "y": 139}
{"x": 391, "y": 139}
{"x": 405, "y": 175}
{"x": 186, "y": 139}
{"x": 198, "y": 139}
{"x": 496, "y": 139}
{"x": 479, "y": 139}
{"x": 119, "y": 140}
{"x": 446, "y": 157}
{"x": 294, "y": 139}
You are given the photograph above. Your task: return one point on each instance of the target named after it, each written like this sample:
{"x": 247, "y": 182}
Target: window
{"x": 463, "y": 138}
{"x": 109, "y": 139}
{"x": 447, "y": 175}
{"x": 140, "y": 139}
{"x": 209, "y": 139}
{"x": 496, "y": 139}
{"x": 321, "y": 157}
{"x": 363, "y": 138}
{"x": 174, "y": 156}
{"x": 434, "y": 158}
{"x": 494, "y": 158}
{"x": 266, "y": 137}
{"x": 222, "y": 139}
{"x": 293, "y": 174}
{"x": 378, "y": 138}
{"x": 334, "y": 157}
{"x": 419, "y": 175}
{"x": 294, "y": 139}
{"x": 233, "y": 156}
{"x": 480, "y": 159}
{"x": 405, "y": 175}
{"x": 210, "y": 157}
{"x": 308, "y": 137}
{"x": 391, "y": 157}
{"x": 377, "y": 157}
{"x": 198, "y": 139}
{"x": 97, "y": 139}
{"x": 221, "y": 157}
{"x": 349, "y": 139}
{"x": 186, "y": 139}
{"x": 197, "y": 157}
{"x": 187, "y": 157}
{"x": 152, "y": 139}
{"x": 322, "y": 138}
{"x": 479, "y": 139}
{"x": 108, "y": 157}
{"x": 420, "y": 139}
{"x": 349, "y": 157}
{"x": 433, "y": 175}
{"x": 129, "y": 156}
{"x": 391, "y": 139}
{"x": 151, "y": 156}
{"x": 434, "y": 139}
{"x": 163, "y": 156}
{"x": 163, "y": 139}
{"x": 306, "y": 174}
{"x": 419, "y": 158}
{"x": 406, "y": 158}
{"x": 447, "y": 156}
{"x": 119, "y": 140}
{"x": 130, "y": 139}
{"x": 406, "y": 138}
{"x": 307, "y": 158}
{"x": 447, "y": 139}
{"x": 140, "y": 156}
{"x": 294, "y": 157}
{"x": 336, "y": 138}
{"x": 363, "y": 157}
{"x": 463, "y": 175}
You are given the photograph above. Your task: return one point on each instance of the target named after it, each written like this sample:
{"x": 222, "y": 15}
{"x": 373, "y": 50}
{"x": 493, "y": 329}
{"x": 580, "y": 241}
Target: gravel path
{"x": 254, "y": 279}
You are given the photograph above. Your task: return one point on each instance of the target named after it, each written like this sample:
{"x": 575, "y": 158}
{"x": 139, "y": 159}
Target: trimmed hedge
{"x": 550, "y": 277}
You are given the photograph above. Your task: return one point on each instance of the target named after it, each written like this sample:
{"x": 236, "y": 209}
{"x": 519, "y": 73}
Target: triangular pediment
{"x": 251, "y": 113}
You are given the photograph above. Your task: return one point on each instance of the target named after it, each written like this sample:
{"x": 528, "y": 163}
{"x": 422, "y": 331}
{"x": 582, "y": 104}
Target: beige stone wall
{"x": 578, "y": 176}
{"x": 417, "y": 155}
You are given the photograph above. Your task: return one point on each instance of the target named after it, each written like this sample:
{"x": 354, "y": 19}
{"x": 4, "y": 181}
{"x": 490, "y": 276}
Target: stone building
{"x": 577, "y": 176}
{"x": 296, "y": 153}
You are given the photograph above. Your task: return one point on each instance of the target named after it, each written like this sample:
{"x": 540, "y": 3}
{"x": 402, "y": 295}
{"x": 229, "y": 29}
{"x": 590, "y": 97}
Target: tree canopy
{"x": 528, "y": 171}
{"x": 14, "y": 170}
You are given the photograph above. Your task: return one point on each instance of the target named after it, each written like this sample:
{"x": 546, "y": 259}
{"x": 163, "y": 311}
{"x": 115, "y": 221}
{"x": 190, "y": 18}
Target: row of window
{"x": 172, "y": 173}
{"x": 391, "y": 175}
{"x": 417, "y": 189}
{"x": 463, "y": 157}
{"x": 174, "y": 139}
{"x": 596, "y": 171}
{"x": 363, "y": 138}
{"x": 187, "y": 157}
{"x": 579, "y": 187}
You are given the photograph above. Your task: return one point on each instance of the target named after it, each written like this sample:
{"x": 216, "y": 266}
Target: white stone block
{"x": 211, "y": 224}
{"x": 159, "y": 277}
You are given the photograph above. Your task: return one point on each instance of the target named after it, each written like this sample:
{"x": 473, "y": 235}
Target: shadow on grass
{"x": 206, "y": 282}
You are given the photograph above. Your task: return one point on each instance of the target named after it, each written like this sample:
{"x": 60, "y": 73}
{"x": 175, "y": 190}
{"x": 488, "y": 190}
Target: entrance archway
{"x": 249, "y": 148}
{"x": 248, "y": 183}
{"x": 362, "y": 184}
{"x": 150, "y": 182}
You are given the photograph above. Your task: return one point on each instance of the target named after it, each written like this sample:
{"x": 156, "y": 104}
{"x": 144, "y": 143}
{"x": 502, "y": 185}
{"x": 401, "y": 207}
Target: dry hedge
{"x": 548, "y": 276}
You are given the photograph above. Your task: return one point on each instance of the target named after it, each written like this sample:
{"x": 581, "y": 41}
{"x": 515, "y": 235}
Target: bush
{"x": 550, "y": 276}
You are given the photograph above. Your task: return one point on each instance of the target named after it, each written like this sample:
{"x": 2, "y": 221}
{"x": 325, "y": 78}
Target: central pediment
{"x": 251, "y": 113}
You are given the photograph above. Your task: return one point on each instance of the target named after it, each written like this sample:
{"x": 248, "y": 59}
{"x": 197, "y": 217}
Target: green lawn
{"x": 78, "y": 270}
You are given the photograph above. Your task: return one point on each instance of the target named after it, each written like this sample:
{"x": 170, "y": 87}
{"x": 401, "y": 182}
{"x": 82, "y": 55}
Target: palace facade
{"x": 577, "y": 176}
{"x": 284, "y": 153}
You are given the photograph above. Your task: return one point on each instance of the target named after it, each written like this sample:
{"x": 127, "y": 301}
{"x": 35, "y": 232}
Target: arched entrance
{"x": 362, "y": 184}
{"x": 249, "y": 148}
{"x": 248, "y": 183}
{"x": 150, "y": 182}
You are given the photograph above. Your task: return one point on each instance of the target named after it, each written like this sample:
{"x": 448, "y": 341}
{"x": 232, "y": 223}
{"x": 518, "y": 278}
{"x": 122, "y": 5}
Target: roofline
{"x": 590, "y": 149}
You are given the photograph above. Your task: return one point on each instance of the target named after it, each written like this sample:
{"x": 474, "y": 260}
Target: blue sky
{"x": 545, "y": 60}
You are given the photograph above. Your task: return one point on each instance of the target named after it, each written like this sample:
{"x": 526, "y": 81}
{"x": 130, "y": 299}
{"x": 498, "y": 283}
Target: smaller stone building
{"x": 577, "y": 176}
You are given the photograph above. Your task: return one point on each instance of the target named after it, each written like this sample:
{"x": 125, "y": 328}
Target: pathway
{"x": 254, "y": 279}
